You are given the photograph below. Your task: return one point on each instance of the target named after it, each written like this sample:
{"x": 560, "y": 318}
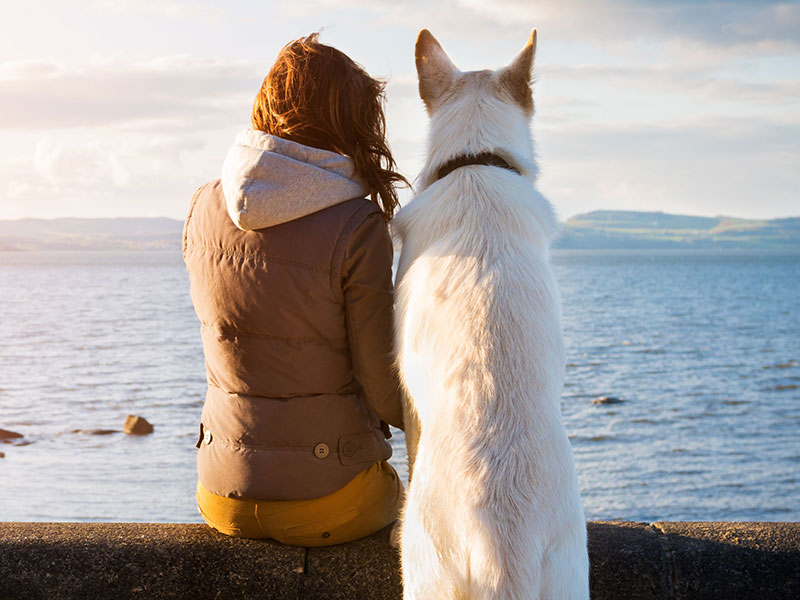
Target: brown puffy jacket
{"x": 296, "y": 329}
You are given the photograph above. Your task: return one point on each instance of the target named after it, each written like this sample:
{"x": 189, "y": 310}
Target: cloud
{"x": 83, "y": 164}
{"x": 753, "y": 26}
{"x": 89, "y": 172}
{"x": 768, "y": 24}
{"x": 170, "y": 9}
{"x": 143, "y": 132}
{"x": 47, "y": 94}
{"x": 632, "y": 97}
{"x": 706, "y": 81}
{"x": 709, "y": 166}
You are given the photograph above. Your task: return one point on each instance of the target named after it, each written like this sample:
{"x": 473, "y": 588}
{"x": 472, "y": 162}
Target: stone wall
{"x": 658, "y": 561}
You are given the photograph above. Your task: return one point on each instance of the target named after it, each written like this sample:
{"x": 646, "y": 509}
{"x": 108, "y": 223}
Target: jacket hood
{"x": 268, "y": 180}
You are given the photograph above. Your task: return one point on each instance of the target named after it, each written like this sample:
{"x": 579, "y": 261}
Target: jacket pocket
{"x": 357, "y": 449}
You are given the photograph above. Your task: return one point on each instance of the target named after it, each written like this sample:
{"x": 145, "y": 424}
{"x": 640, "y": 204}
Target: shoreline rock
{"x": 135, "y": 425}
{"x": 95, "y": 431}
{"x": 6, "y": 436}
{"x": 607, "y": 400}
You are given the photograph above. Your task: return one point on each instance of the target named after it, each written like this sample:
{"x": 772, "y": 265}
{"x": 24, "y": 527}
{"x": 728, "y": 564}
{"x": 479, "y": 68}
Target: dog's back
{"x": 493, "y": 508}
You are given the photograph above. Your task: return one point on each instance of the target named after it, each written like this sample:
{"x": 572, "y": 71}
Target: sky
{"x": 124, "y": 107}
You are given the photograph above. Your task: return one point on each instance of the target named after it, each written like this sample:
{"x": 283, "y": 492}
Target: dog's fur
{"x": 493, "y": 507}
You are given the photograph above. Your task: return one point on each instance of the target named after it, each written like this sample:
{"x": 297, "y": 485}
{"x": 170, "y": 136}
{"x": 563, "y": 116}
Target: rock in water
{"x": 6, "y": 435}
{"x": 137, "y": 426}
{"x": 607, "y": 400}
{"x": 95, "y": 431}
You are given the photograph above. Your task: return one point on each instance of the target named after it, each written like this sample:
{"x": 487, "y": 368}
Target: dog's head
{"x": 476, "y": 111}
{"x": 440, "y": 80}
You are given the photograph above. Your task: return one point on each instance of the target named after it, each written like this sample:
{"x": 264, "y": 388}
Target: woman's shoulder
{"x": 202, "y": 198}
{"x": 213, "y": 186}
{"x": 344, "y": 218}
{"x": 208, "y": 191}
{"x": 357, "y": 207}
{"x": 360, "y": 213}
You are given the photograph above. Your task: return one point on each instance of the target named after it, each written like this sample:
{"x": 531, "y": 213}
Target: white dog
{"x": 493, "y": 507}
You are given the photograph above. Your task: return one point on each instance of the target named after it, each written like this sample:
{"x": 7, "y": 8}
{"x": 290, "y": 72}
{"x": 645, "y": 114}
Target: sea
{"x": 698, "y": 350}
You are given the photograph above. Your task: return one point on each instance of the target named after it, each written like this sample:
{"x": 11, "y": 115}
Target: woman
{"x": 290, "y": 270}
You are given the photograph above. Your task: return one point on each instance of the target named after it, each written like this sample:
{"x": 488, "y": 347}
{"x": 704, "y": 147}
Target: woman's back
{"x": 284, "y": 416}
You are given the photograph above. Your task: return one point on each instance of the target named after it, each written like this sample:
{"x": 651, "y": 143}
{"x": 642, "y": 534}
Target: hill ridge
{"x": 597, "y": 229}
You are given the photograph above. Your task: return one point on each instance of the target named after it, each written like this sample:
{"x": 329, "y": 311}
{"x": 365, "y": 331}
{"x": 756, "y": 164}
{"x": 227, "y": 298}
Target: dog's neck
{"x": 464, "y": 160}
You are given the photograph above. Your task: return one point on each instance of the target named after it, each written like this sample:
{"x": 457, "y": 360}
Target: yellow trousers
{"x": 369, "y": 502}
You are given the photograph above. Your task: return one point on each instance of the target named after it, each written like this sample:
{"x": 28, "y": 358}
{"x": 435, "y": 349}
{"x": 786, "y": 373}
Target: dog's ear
{"x": 516, "y": 77}
{"x": 435, "y": 70}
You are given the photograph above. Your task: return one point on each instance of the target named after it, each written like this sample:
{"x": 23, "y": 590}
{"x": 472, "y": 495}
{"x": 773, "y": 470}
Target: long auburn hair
{"x": 317, "y": 96}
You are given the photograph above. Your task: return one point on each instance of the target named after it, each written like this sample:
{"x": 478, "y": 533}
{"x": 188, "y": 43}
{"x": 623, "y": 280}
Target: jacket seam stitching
{"x": 281, "y": 398}
{"x": 232, "y": 443}
{"x": 344, "y": 238}
{"x": 356, "y": 351}
{"x": 354, "y": 345}
{"x": 244, "y": 332}
{"x": 263, "y": 258}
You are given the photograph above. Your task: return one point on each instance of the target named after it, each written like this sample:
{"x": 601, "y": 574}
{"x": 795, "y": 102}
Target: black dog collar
{"x": 484, "y": 158}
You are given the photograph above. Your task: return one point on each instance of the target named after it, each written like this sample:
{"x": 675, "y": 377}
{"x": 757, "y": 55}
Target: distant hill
{"x": 600, "y": 229}
{"x": 91, "y": 234}
{"x": 631, "y": 229}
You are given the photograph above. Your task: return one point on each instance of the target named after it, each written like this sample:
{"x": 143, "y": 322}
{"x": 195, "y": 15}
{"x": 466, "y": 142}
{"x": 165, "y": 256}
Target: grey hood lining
{"x": 268, "y": 180}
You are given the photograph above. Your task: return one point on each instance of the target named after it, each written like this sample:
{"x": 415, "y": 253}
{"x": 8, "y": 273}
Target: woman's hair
{"x": 317, "y": 96}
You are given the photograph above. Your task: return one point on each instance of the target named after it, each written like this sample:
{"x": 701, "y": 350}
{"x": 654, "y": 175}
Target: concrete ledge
{"x": 658, "y": 561}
